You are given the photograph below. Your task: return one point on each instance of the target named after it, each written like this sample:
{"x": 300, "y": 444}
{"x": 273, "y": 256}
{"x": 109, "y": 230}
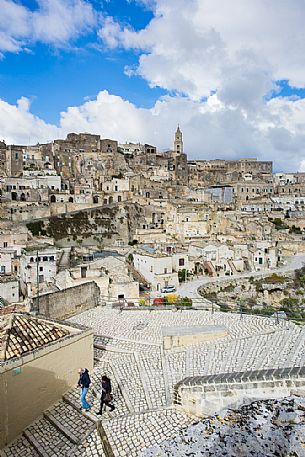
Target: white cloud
{"x": 58, "y": 21}
{"x": 55, "y": 22}
{"x": 19, "y": 126}
{"x": 192, "y": 47}
{"x": 197, "y": 46}
{"x": 211, "y": 129}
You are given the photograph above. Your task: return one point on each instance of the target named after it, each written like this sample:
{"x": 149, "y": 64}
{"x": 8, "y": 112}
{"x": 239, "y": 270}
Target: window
{"x": 45, "y": 259}
{"x": 40, "y": 268}
{"x": 32, "y": 259}
{"x": 5, "y": 244}
{"x": 165, "y": 270}
{"x": 181, "y": 262}
{"x": 116, "y": 188}
{"x": 2, "y": 271}
{"x": 51, "y": 258}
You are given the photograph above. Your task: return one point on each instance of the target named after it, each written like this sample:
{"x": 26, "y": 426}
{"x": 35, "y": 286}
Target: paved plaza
{"x": 128, "y": 348}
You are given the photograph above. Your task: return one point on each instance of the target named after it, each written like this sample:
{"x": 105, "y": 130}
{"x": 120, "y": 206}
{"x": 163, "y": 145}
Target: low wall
{"x": 209, "y": 395}
{"x": 173, "y": 337}
{"x": 68, "y": 302}
{"x": 31, "y": 384}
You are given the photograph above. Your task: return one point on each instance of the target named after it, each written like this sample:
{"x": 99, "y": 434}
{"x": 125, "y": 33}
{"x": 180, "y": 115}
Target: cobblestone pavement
{"x": 143, "y": 328}
{"x": 129, "y": 350}
{"x": 137, "y": 431}
{"x": 21, "y": 448}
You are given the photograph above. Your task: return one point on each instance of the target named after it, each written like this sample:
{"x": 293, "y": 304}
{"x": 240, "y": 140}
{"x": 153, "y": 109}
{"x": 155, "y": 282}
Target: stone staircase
{"x": 137, "y": 275}
{"x": 63, "y": 431}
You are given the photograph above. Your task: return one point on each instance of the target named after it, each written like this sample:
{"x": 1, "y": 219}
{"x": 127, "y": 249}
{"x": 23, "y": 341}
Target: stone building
{"x": 157, "y": 269}
{"x": 9, "y": 289}
{"x": 38, "y": 364}
{"x": 14, "y": 159}
{"x": 108, "y": 146}
{"x": 37, "y": 265}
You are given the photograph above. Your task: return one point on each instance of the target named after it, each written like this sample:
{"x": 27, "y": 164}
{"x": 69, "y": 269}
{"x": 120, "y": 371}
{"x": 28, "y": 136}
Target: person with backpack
{"x": 106, "y": 396}
{"x": 84, "y": 383}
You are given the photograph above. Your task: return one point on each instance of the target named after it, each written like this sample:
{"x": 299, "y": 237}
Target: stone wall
{"x": 208, "y": 395}
{"x": 174, "y": 337}
{"x": 31, "y": 384}
{"x": 68, "y": 302}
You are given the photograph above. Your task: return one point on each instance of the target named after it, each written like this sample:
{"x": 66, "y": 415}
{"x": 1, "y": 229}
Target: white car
{"x": 168, "y": 289}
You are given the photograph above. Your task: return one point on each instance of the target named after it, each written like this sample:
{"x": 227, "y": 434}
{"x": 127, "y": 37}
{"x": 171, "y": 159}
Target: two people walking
{"x": 106, "y": 393}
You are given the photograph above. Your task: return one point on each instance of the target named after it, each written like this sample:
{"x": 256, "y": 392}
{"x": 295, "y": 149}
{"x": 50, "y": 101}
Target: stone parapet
{"x": 208, "y": 395}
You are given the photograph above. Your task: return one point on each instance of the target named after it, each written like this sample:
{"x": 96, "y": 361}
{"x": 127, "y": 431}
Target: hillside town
{"x": 181, "y": 280}
{"x": 130, "y": 219}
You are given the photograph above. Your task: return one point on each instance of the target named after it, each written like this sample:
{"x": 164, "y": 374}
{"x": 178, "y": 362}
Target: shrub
{"x": 171, "y": 299}
{"x": 159, "y": 301}
{"x": 185, "y": 301}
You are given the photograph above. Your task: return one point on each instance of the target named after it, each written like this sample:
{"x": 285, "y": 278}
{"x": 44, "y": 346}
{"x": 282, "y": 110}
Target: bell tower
{"x": 178, "y": 145}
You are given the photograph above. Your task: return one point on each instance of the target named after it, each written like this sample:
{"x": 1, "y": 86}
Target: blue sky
{"x": 56, "y": 78}
{"x": 232, "y": 74}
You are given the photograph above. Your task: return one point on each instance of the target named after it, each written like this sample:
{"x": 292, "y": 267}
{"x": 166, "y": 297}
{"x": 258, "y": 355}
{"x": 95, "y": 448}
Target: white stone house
{"x": 264, "y": 256}
{"x": 111, "y": 275}
{"x": 187, "y": 224}
{"x": 6, "y": 260}
{"x": 37, "y": 266}
{"x": 9, "y": 288}
{"x": 157, "y": 269}
{"x": 14, "y": 241}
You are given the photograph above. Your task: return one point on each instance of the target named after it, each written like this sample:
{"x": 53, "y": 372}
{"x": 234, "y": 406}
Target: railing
{"x": 155, "y": 303}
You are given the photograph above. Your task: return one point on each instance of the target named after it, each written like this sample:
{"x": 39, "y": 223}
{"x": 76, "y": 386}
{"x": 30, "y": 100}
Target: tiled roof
{"x": 21, "y": 333}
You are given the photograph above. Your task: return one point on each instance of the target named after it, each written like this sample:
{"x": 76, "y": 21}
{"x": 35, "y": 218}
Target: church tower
{"x": 178, "y": 145}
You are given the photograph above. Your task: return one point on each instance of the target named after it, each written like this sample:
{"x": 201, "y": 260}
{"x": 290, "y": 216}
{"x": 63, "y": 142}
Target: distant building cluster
{"x": 130, "y": 218}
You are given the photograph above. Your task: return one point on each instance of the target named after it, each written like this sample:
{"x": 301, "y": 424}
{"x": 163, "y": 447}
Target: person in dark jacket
{"x": 106, "y": 397}
{"x": 84, "y": 383}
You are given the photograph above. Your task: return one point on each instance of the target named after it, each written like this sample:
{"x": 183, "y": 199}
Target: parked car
{"x": 168, "y": 289}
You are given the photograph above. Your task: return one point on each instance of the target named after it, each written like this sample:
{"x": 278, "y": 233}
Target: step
{"x": 92, "y": 447}
{"x": 72, "y": 399}
{"x": 47, "y": 440}
{"x": 20, "y": 447}
{"x": 70, "y": 422}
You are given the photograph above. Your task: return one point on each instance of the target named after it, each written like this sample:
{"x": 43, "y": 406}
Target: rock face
{"x": 264, "y": 428}
{"x": 252, "y": 292}
{"x": 103, "y": 225}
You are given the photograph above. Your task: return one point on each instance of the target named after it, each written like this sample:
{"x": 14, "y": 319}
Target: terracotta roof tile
{"x": 20, "y": 333}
